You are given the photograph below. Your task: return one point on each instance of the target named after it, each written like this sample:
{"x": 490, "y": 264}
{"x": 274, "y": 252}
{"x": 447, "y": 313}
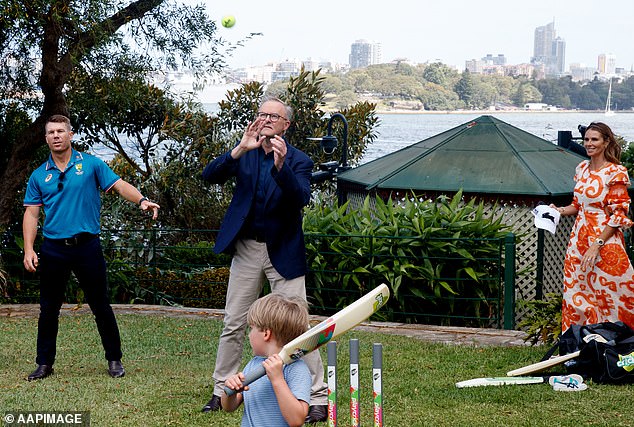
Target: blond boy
{"x": 280, "y": 398}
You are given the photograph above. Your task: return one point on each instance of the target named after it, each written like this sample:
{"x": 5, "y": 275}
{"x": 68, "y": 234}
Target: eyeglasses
{"x": 274, "y": 117}
{"x": 60, "y": 184}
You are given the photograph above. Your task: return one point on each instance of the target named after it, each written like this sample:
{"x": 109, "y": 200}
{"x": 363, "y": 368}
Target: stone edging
{"x": 440, "y": 334}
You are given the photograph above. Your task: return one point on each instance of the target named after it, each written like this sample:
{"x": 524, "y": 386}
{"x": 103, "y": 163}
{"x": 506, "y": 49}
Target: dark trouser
{"x": 87, "y": 262}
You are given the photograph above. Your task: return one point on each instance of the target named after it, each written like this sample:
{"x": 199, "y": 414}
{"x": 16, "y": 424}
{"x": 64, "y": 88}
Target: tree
{"x": 305, "y": 94}
{"x": 436, "y": 97}
{"x": 484, "y": 94}
{"x": 124, "y": 115}
{"x": 361, "y": 81}
{"x": 192, "y": 140}
{"x": 525, "y": 92}
{"x": 626, "y": 89}
{"x": 45, "y": 43}
{"x": 438, "y": 73}
{"x": 554, "y": 91}
{"x": 345, "y": 99}
{"x": 464, "y": 88}
{"x": 333, "y": 84}
{"x": 587, "y": 99}
{"x": 627, "y": 155}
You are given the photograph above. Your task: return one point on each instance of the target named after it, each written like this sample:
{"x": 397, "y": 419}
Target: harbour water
{"x": 398, "y": 131}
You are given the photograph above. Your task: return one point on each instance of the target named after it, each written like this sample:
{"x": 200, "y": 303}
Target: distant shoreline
{"x": 494, "y": 111}
{"x": 438, "y": 112}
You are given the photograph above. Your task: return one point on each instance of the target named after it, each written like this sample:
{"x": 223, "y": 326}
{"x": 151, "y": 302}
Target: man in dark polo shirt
{"x": 67, "y": 186}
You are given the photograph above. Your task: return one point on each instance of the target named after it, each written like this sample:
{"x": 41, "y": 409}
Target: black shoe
{"x": 42, "y": 371}
{"x": 115, "y": 369}
{"x": 317, "y": 414}
{"x": 213, "y": 404}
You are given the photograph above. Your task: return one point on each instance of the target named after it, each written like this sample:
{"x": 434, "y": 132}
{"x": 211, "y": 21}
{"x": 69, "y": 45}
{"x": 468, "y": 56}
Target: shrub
{"x": 198, "y": 288}
{"x": 188, "y": 255}
{"x": 17, "y": 285}
{"x": 542, "y": 322}
{"x": 440, "y": 257}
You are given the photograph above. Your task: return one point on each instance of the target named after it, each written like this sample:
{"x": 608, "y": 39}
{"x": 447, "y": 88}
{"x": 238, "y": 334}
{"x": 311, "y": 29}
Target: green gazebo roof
{"x": 483, "y": 156}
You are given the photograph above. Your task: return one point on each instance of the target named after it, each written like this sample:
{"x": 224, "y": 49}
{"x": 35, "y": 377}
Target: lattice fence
{"x": 527, "y": 286}
{"x": 521, "y": 221}
{"x": 554, "y": 253}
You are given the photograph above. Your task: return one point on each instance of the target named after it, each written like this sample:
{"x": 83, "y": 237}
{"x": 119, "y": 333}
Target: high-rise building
{"x": 606, "y": 63}
{"x": 500, "y": 59}
{"x": 542, "y": 45}
{"x": 364, "y": 53}
{"x": 580, "y": 72}
{"x": 474, "y": 66}
{"x": 550, "y": 50}
{"x": 558, "y": 56}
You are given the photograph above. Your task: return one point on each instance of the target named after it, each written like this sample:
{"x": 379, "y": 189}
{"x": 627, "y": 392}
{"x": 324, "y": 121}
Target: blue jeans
{"x": 86, "y": 260}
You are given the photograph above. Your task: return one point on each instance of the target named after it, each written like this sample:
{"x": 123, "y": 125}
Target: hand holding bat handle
{"x": 256, "y": 373}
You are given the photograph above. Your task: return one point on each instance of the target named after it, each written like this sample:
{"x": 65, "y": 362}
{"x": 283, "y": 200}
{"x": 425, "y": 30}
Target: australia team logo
{"x": 79, "y": 169}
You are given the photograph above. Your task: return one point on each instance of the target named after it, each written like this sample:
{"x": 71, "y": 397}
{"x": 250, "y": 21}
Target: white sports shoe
{"x": 572, "y": 382}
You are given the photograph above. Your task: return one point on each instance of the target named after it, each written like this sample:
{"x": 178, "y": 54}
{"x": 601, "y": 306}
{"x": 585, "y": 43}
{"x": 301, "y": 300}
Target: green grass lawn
{"x": 169, "y": 363}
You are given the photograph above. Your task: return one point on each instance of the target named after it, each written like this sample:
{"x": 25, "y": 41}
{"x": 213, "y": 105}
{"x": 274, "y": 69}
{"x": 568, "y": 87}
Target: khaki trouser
{"x": 249, "y": 267}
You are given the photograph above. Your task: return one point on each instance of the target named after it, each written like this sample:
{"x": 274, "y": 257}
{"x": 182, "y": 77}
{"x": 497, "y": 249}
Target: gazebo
{"x": 493, "y": 161}
{"x": 485, "y": 157}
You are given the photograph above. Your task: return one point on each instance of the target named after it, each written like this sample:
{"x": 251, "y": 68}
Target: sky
{"x": 451, "y": 31}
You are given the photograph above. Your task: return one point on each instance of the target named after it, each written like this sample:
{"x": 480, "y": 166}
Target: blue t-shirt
{"x": 260, "y": 403}
{"x": 71, "y": 198}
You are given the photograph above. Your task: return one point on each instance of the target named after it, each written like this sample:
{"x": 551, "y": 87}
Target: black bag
{"x": 605, "y": 362}
{"x": 609, "y": 363}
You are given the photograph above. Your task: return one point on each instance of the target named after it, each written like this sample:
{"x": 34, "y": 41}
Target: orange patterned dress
{"x": 605, "y": 292}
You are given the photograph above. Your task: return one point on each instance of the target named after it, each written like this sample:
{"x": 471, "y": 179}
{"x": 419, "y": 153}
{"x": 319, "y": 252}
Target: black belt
{"x": 76, "y": 240}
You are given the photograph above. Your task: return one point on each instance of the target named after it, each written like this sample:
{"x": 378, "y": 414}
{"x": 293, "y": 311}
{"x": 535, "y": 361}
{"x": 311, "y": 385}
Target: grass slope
{"x": 169, "y": 363}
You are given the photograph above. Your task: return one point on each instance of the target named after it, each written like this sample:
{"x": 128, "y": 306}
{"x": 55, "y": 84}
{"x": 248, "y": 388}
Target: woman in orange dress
{"x": 598, "y": 275}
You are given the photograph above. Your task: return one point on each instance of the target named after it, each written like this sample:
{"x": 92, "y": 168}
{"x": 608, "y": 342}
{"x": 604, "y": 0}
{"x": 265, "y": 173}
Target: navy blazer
{"x": 284, "y": 203}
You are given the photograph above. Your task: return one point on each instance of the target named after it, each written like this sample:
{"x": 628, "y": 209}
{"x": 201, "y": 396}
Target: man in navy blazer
{"x": 262, "y": 228}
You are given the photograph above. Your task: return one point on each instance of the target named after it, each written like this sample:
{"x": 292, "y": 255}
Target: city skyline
{"x": 453, "y": 31}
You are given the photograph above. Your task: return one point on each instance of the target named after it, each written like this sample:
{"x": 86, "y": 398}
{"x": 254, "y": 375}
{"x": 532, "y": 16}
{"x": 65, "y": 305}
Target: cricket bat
{"x": 543, "y": 365}
{"x": 479, "y": 382}
{"x": 320, "y": 334}
{"x": 553, "y": 361}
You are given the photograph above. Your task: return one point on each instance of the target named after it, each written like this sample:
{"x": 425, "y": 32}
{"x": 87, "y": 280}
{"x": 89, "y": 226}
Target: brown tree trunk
{"x": 17, "y": 169}
{"x": 52, "y": 79}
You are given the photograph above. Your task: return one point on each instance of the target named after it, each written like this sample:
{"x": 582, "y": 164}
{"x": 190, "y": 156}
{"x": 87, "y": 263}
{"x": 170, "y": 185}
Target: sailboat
{"x": 608, "y": 109}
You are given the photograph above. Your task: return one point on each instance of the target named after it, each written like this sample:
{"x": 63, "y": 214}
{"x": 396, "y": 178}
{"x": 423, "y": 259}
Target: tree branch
{"x": 88, "y": 39}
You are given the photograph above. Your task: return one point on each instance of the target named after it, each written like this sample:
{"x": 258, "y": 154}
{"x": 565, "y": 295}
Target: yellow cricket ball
{"x": 228, "y": 21}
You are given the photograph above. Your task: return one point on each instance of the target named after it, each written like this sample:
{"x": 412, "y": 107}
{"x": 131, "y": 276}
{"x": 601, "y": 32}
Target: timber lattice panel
{"x": 521, "y": 220}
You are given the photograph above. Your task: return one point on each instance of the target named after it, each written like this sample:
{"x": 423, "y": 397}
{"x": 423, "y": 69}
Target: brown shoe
{"x": 42, "y": 371}
{"x": 115, "y": 369}
{"x": 213, "y": 404}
